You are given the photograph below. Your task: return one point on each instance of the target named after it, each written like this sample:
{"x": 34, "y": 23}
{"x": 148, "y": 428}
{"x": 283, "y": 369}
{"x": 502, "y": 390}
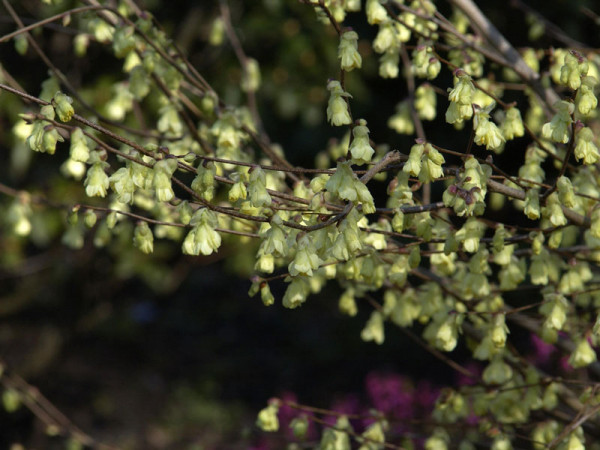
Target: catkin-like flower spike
{"x": 361, "y": 149}
{"x": 558, "y": 128}
{"x": 373, "y": 330}
{"x": 275, "y": 238}
{"x": 553, "y": 211}
{"x": 251, "y": 79}
{"x": 337, "y": 108}
{"x": 203, "y": 238}
{"x": 123, "y": 41}
{"x": 532, "y": 204}
{"x": 575, "y": 66}
{"x": 425, "y": 64}
{"x": 348, "y": 54}
{"x": 426, "y": 102}
{"x": 402, "y": 122}
{"x": 143, "y": 238}
{"x": 62, "y": 106}
{"x": 204, "y": 182}
{"x": 163, "y": 170}
{"x": 265, "y": 294}
{"x": 565, "y": 192}
{"x": 583, "y": 356}
{"x": 585, "y": 147}
{"x": 463, "y": 91}
{"x": 512, "y": 126}
{"x": 267, "y": 418}
{"x": 341, "y": 183}
{"x": 122, "y": 184}
{"x": 79, "y": 150}
{"x": 486, "y": 132}
{"x": 18, "y": 216}
{"x": 388, "y": 64}
{"x": 296, "y": 292}
{"x": 376, "y": 13}
{"x": 96, "y": 183}
{"x": 386, "y": 39}
{"x": 257, "y": 188}
{"x": 497, "y": 372}
{"x": 586, "y": 100}
{"x": 306, "y": 259}
{"x": 413, "y": 165}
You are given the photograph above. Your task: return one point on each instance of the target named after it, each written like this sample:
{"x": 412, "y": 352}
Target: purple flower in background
{"x": 425, "y": 396}
{"x": 391, "y": 394}
{"x": 348, "y": 404}
{"x": 475, "y": 369}
{"x": 287, "y": 413}
{"x": 564, "y": 364}
{"x": 542, "y": 350}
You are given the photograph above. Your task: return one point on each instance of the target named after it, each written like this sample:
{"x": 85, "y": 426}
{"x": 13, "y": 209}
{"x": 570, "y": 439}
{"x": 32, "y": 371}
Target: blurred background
{"x": 168, "y": 351}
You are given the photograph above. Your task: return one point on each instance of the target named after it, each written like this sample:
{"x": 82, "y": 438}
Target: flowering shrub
{"x": 164, "y": 157}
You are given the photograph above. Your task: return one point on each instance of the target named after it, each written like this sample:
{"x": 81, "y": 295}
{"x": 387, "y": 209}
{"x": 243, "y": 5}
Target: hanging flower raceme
{"x": 163, "y": 170}
{"x": 62, "y": 106}
{"x": 96, "y": 183}
{"x": 267, "y": 418}
{"x": 461, "y": 98}
{"x": 257, "y": 188}
{"x": 306, "y": 259}
{"x": 204, "y": 182}
{"x": 274, "y": 238}
{"x": 425, "y": 162}
{"x": 585, "y": 147}
{"x": 143, "y": 238}
{"x": 376, "y": 13}
{"x": 512, "y": 126}
{"x": 360, "y": 148}
{"x": 79, "y": 150}
{"x": 348, "y": 54}
{"x": 467, "y": 196}
{"x": 337, "y": 108}
{"x": 388, "y": 64}
{"x": 463, "y": 91}
{"x": 44, "y": 136}
{"x": 203, "y": 238}
{"x": 347, "y": 186}
{"x": 402, "y": 122}
{"x": 558, "y": 128}
{"x": 486, "y": 131}
{"x": 425, "y": 64}
{"x": 426, "y": 102}
{"x": 251, "y": 80}
{"x": 574, "y": 67}
{"x": 586, "y": 100}
{"x": 19, "y": 214}
{"x": 122, "y": 184}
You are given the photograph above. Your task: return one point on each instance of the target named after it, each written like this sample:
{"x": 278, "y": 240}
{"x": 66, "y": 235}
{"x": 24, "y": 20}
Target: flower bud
{"x": 143, "y": 238}
{"x": 373, "y": 330}
{"x": 96, "y": 182}
{"x": 337, "y": 108}
{"x": 163, "y": 170}
{"x": 348, "y": 51}
{"x": 583, "y": 355}
{"x": 360, "y": 148}
{"x": 62, "y": 106}
{"x": 558, "y": 128}
{"x": 79, "y": 150}
{"x": 585, "y": 148}
{"x": 267, "y": 418}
